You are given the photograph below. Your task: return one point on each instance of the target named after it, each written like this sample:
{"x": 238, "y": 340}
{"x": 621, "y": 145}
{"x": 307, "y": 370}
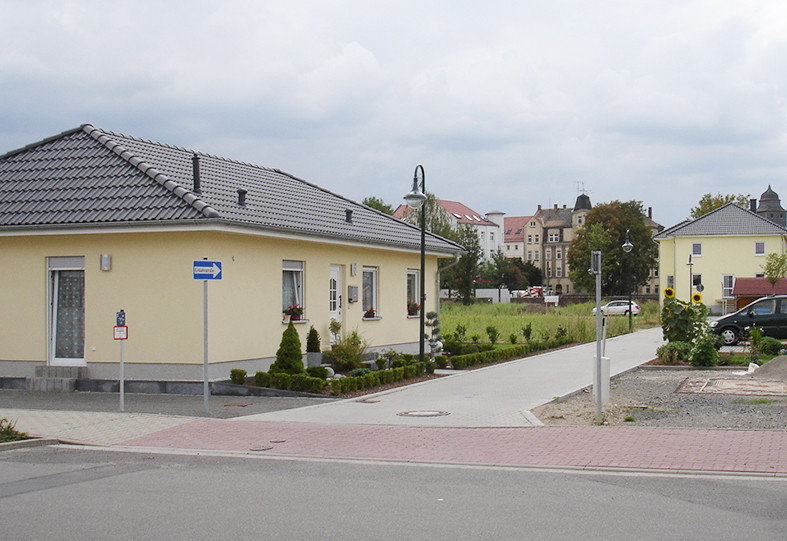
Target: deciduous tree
{"x": 605, "y": 230}
{"x": 710, "y": 202}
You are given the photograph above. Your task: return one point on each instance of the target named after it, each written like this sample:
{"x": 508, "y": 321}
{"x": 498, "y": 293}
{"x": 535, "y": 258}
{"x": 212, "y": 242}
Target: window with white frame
{"x": 696, "y": 248}
{"x": 727, "y": 283}
{"x": 536, "y": 255}
{"x": 759, "y": 248}
{"x": 558, "y": 253}
{"x": 548, "y": 253}
{"x": 554, "y": 237}
{"x": 491, "y": 236}
{"x": 291, "y": 284}
{"x": 529, "y": 255}
{"x": 559, "y": 271}
{"x": 369, "y": 294}
{"x": 413, "y": 298}
{"x": 535, "y": 239}
{"x": 532, "y": 224}
{"x": 530, "y": 239}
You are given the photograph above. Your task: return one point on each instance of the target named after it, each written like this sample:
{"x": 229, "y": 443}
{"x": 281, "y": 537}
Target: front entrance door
{"x": 335, "y": 294}
{"x": 67, "y": 311}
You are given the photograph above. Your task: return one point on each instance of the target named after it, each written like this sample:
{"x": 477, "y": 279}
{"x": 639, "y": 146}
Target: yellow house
{"x": 707, "y": 254}
{"x": 94, "y": 222}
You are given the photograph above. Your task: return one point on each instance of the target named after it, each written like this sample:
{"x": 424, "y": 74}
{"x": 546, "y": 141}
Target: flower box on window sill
{"x": 287, "y": 320}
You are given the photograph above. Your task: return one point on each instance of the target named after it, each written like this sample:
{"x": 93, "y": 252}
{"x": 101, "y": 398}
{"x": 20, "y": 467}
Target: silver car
{"x": 619, "y": 308}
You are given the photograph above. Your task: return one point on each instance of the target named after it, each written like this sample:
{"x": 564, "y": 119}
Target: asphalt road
{"x": 66, "y": 493}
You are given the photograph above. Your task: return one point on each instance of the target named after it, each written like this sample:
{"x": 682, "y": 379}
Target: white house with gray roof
{"x": 92, "y": 222}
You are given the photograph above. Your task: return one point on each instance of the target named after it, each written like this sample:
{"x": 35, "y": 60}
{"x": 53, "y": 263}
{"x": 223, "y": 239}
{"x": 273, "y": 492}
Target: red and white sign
{"x": 121, "y": 332}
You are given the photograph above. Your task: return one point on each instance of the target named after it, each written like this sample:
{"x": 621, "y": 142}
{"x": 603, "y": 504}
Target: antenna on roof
{"x": 581, "y": 188}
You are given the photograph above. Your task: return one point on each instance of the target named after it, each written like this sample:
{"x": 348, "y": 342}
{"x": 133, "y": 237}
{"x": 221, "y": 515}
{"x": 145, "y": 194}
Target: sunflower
{"x": 669, "y": 293}
{"x": 696, "y": 297}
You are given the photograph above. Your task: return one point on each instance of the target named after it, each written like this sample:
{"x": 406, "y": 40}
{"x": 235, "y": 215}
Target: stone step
{"x": 51, "y": 385}
{"x": 76, "y": 372}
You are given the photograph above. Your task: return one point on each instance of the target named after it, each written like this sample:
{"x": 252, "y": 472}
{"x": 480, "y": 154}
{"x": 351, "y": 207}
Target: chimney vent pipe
{"x": 195, "y": 173}
{"x": 242, "y": 197}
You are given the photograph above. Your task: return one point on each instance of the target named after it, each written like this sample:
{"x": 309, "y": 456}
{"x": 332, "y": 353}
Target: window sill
{"x": 413, "y": 316}
{"x": 294, "y": 321}
{"x": 375, "y": 318}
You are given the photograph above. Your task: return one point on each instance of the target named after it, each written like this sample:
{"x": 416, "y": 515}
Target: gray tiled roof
{"x": 89, "y": 176}
{"x": 729, "y": 219}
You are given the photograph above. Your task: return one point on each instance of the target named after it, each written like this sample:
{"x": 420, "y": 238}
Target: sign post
{"x": 205, "y": 270}
{"x": 120, "y": 332}
{"x": 595, "y": 268}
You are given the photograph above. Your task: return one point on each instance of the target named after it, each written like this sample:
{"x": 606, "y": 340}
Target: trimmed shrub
{"x": 262, "y": 379}
{"x": 512, "y": 338}
{"x": 336, "y": 387}
{"x": 429, "y": 367}
{"x": 355, "y": 372}
{"x": 381, "y": 363}
{"x": 281, "y": 380}
{"x": 441, "y": 361}
{"x": 238, "y": 376}
{"x": 317, "y": 372}
{"x": 460, "y": 332}
{"x": 313, "y": 340}
{"x": 289, "y": 358}
{"x": 463, "y": 361}
{"x": 527, "y": 331}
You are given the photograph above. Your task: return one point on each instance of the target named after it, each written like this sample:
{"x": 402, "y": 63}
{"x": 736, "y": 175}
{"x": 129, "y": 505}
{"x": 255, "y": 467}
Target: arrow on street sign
{"x": 207, "y": 270}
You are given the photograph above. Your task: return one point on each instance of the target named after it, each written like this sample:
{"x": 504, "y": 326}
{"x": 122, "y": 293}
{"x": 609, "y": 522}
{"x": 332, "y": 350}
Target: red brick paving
{"x": 752, "y": 451}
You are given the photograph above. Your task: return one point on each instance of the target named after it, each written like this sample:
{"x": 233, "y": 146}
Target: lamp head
{"x": 627, "y": 246}
{"x": 415, "y": 199}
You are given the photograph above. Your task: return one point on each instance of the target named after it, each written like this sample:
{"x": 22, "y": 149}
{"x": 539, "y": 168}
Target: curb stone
{"x": 23, "y": 444}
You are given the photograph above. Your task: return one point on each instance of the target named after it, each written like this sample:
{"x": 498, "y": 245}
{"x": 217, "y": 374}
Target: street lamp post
{"x": 627, "y": 246}
{"x": 415, "y": 200}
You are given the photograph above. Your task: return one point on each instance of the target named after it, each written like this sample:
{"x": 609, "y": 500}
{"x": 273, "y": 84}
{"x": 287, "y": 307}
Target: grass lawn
{"x": 577, "y": 320}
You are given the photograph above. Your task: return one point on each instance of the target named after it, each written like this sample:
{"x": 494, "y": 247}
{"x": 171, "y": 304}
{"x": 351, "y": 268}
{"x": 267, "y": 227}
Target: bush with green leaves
{"x": 704, "y": 352}
{"x": 512, "y": 338}
{"x": 771, "y": 346}
{"x": 289, "y": 357}
{"x": 262, "y": 379}
{"x": 441, "y": 361}
{"x": 674, "y": 351}
{"x": 475, "y": 338}
{"x": 313, "y": 341}
{"x": 346, "y": 354}
{"x": 318, "y": 372}
{"x": 561, "y": 332}
{"x": 527, "y": 331}
{"x": 336, "y": 387}
{"x": 492, "y": 333}
{"x": 362, "y": 371}
{"x": 238, "y": 376}
{"x": 460, "y": 332}
{"x": 682, "y": 321}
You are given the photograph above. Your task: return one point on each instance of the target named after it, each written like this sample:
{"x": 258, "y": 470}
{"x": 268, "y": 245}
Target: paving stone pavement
{"x": 489, "y": 405}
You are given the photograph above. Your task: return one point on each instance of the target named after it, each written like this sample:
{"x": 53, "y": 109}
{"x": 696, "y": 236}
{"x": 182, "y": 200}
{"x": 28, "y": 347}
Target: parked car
{"x": 619, "y": 308}
{"x": 768, "y": 314}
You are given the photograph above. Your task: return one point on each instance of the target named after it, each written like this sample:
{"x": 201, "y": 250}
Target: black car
{"x": 768, "y": 314}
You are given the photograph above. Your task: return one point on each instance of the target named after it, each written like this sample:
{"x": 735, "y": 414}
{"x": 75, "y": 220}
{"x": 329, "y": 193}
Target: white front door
{"x": 67, "y": 312}
{"x": 335, "y": 294}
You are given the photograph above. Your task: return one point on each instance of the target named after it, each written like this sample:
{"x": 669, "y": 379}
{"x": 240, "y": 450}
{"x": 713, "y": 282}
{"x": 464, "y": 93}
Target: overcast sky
{"x": 507, "y": 104}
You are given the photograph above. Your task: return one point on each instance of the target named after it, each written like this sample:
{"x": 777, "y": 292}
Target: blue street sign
{"x": 207, "y": 270}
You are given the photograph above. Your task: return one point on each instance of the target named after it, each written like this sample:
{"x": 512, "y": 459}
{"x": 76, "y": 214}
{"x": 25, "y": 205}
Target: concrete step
{"x": 51, "y": 385}
{"x": 76, "y": 372}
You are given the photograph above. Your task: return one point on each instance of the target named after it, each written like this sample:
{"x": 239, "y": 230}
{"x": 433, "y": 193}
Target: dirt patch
{"x": 649, "y": 397}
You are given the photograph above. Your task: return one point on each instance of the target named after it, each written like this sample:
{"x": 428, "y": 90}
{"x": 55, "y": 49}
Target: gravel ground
{"x": 648, "y": 395}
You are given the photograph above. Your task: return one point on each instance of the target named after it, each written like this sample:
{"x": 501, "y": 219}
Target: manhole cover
{"x": 423, "y": 413}
{"x": 262, "y": 448}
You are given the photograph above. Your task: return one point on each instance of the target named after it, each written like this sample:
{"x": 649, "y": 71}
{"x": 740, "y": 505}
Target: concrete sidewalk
{"x": 496, "y": 396}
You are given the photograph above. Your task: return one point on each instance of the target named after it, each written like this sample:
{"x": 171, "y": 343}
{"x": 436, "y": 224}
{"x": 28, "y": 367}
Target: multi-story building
{"x": 514, "y": 227}
{"x": 548, "y": 235}
{"x": 489, "y": 227}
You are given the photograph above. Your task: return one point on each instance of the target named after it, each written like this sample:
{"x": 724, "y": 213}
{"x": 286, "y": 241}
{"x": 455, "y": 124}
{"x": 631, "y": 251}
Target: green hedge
{"x": 484, "y": 357}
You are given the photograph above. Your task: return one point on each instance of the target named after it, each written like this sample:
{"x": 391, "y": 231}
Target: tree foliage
{"x": 463, "y": 275}
{"x": 605, "y": 230}
{"x": 502, "y": 272}
{"x": 379, "y": 204}
{"x": 775, "y": 268}
{"x": 438, "y": 221}
{"x": 710, "y": 202}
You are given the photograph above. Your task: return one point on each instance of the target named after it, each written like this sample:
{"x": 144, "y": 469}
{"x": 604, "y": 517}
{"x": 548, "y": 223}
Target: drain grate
{"x": 423, "y": 413}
